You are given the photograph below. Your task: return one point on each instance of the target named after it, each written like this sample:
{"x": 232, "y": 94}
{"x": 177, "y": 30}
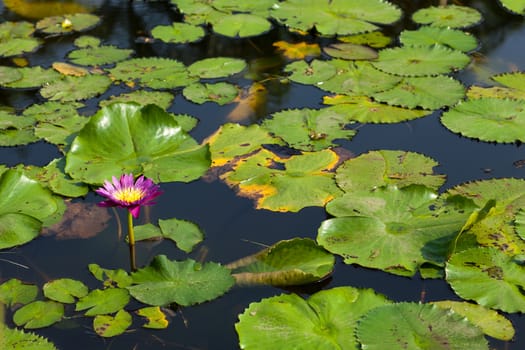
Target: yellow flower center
{"x": 129, "y": 195}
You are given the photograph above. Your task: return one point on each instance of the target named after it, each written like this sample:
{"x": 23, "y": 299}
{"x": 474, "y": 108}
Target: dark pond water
{"x": 231, "y": 225}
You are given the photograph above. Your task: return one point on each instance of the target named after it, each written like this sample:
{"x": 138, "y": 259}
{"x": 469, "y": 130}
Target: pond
{"x": 396, "y": 156}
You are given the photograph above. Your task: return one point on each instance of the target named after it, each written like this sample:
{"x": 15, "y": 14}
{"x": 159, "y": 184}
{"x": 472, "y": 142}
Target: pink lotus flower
{"x": 127, "y": 193}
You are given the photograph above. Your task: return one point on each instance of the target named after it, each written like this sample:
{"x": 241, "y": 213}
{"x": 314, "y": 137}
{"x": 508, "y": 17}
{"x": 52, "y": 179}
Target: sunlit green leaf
{"x": 183, "y": 282}
{"x": 387, "y": 167}
{"x": 119, "y": 139}
{"x": 476, "y": 92}
{"x": 309, "y": 129}
{"x": 420, "y": 60}
{"x": 326, "y": 321}
{"x": 178, "y": 33}
{"x": 514, "y": 80}
{"x": 87, "y": 41}
{"x": 9, "y": 74}
{"x": 314, "y": 73}
{"x": 65, "y": 290}
{"x": 33, "y": 77}
{"x": 349, "y": 51}
{"x": 143, "y": 97}
{"x": 450, "y": 16}
{"x": 155, "y": 318}
{"x": 291, "y": 262}
{"x": 217, "y": 67}
{"x": 38, "y": 314}
{"x": 105, "y": 301}
{"x": 241, "y": 25}
{"x": 16, "y": 38}
{"x": 109, "y": 326}
{"x": 375, "y": 39}
{"x": 68, "y": 23}
{"x": 98, "y": 55}
{"x": 15, "y": 339}
{"x": 14, "y": 291}
{"x": 516, "y": 6}
{"x": 297, "y": 182}
{"x": 221, "y": 93}
{"x": 184, "y": 233}
{"x": 16, "y": 130}
{"x": 111, "y": 278}
{"x": 71, "y": 88}
{"x": 489, "y": 277}
{"x": 417, "y": 326}
{"x": 429, "y": 36}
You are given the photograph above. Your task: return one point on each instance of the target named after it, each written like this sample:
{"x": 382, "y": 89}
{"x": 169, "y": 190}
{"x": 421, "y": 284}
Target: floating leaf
{"x": 365, "y": 110}
{"x": 124, "y": 137}
{"x": 375, "y": 39}
{"x": 339, "y": 17}
{"x": 292, "y": 262}
{"x": 178, "y": 33}
{"x": 69, "y": 69}
{"x": 109, "y": 326}
{"x": 420, "y": 60}
{"x": 24, "y": 206}
{"x": 417, "y": 326}
{"x": 430, "y": 36}
{"x": 404, "y": 228}
{"x": 106, "y": 301}
{"x": 216, "y": 67}
{"x": 221, "y": 93}
{"x": 153, "y": 72}
{"x": 325, "y": 321}
{"x": 9, "y": 74}
{"x": 98, "y": 55}
{"x": 349, "y": 51}
{"x": 162, "y": 99}
{"x": 488, "y": 119}
{"x": 65, "y": 290}
{"x": 38, "y": 314}
{"x": 72, "y": 88}
{"x": 476, "y": 92}
{"x": 16, "y": 130}
{"x": 241, "y": 25}
{"x": 234, "y": 140}
{"x": 387, "y": 167}
{"x": 514, "y": 80}
{"x": 184, "y": 233}
{"x": 450, "y": 16}
{"x": 490, "y": 322}
{"x": 183, "y": 282}
{"x": 297, "y": 51}
{"x": 414, "y": 92}
{"x": 111, "y": 278}
{"x": 156, "y": 319}
{"x": 309, "y": 129}
{"x": 33, "y": 77}
{"x": 14, "y": 292}
{"x": 14, "y": 339}
{"x": 16, "y": 38}
{"x": 87, "y": 41}
{"x": 488, "y": 276}
{"x": 516, "y": 6}
{"x": 67, "y": 23}
{"x": 286, "y": 184}
{"x": 315, "y": 73}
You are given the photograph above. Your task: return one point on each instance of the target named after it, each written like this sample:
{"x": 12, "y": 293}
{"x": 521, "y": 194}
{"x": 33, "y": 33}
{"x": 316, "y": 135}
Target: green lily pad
{"x": 405, "y": 228}
{"x": 350, "y": 51}
{"x": 178, "y": 33}
{"x": 488, "y": 119}
{"x": 376, "y": 39}
{"x": 24, "y": 207}
{"x": 476, "y": 92}
{"x": 309, "y": 129}
{"x": 489, "y": 277}
{"x": 260, "y": 7}
{"x": 234, "y": 140}
{"x": 313, "y": 73}
{"x": 363, "y": 109}
{"x": 14, "y": 291}
{"x": 71, "y": 88}
{"x": 217, "y": 67}
{"x": 450, "y": 16}
{"x": 16, "y": 130}
{"x": 185, "y": 234}
{"x": 153, "y": 72}
{"x": 98, "y": 55}
{"x": 341, "y": 17}
{"x": 65, "y": 290}
{"x": 286, "y": 263}
{"x": 105, "y": 301}
{"x": 241, "y": 25}
{"x": 109, "y": 326}
{"x": 417, "y": 326}
{"x": 516, "y": 6}
{"x": 87, "y": 41}
{"x": 285, "y": 184}
{"x": 13, "y": 339}
{"x": 57, "y": 25}
{"x": 9, "y": 74}
{"x": 155, "y": 318}
{"x": 111, "y": 278}
{"x": 414, "y": 92}
{"x": 326, "y": 321}
{"x": 33, "y": 78}
{"x": 420, "y": 60}
{"x": 387, "y": 167}
{"x": 162, "y": 99}
{"x": 430, "y": 36}
{"x": 186, "y": 282}
{"x": 16, "y": 38}
{"x": 514, "y": 80}
{"x": 38, "y": 314}
{"x": 125, "y": 137}
{"x": 221, "y": 93}
{"x": 491, "y": 322}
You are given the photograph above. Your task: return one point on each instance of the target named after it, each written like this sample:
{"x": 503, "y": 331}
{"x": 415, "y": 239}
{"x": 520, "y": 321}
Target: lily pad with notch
{"x": 178, "y": 33}
{"x": 449, "y": 16}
